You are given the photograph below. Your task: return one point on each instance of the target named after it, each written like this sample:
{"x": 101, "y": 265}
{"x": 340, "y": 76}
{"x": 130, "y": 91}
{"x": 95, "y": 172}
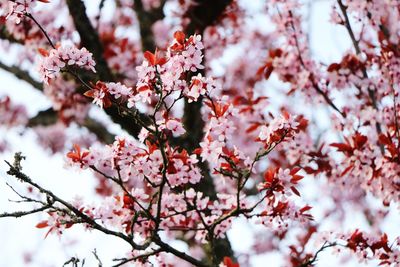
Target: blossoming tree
{"x": 203, "y": 144}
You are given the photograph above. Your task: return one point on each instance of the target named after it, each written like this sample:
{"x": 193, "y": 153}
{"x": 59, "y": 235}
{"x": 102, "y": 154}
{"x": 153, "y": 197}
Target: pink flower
{"x": 176, "y": 127}
{"x": 57, "y": 59}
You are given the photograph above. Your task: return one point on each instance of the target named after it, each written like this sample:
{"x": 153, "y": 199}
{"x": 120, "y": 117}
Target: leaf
{"x": 43, "y": 52}
{"x": 295, "y": 190}
{"x": 150, "y": 57}
{"x": 179, "y": 36}
{"x": 342, "y": 147}
{"x": 347, "y": 170}
{"x": 42, "y": 224}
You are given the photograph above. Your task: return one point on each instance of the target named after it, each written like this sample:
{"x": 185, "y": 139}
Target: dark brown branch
{"x": 22, "y": 75}
{"x": 41, "y": 29}
{"x": 18, "y": 214}
{"x": 5, "y": 35}
{"x": 311, "y": 261}
{"x": 182, "y": 255}
{"x": 89, "y": 37}
{"x": 356, "y": 45}
{"x": 16, "y": 172}
{"x": 146, "y": 20}
{"x": 204, "y": 13}
{"x": 139, "y": 257}
{"x": 50, "y": 116}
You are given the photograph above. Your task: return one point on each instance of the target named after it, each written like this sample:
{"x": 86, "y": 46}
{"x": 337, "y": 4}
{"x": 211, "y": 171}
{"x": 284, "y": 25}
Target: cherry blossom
{"x": 56, "y": 60}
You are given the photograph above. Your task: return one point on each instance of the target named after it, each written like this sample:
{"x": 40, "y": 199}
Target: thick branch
{"x": 182, "y": 255}
{"x": 89, "y": 37}
{"x": 50, "y": 117}
{"x": 356, "y": 45}
{"x": 146, "y": 20}
{"x": 5, "y": 35}
{"x": 16, "y": 172}
{"x": 22, "y": 75}
{"x": 203, "y": 14}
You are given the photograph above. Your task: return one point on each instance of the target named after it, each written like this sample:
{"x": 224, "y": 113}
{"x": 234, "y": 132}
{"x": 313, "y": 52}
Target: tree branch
{"x": 22, "y": 75}
{"x": 89, "y": 37}
{"x": 203, "y": 14}
{"x": 18, "y": 214}
{"x": 146, "y": 20}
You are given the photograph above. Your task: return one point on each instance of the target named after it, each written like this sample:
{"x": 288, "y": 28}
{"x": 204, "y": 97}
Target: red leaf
{"x": 295, "y": 190}
{"x": 229, "y": 263}
{"x": 43, "y": 52}
{"x": 342, "y": 147}
{"x": 347, "y": 170}
{"x": 42, "y": 224}
{"x": 150, "y": 57}
{"x": 305, "y": 208}
{"x": 252, "y": 128}
{"x": 197, "y": 151}
{"x": 385, "y": 139}
{"x": 179, "y": 36}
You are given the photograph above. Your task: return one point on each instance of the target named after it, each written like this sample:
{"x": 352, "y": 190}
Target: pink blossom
{"x": 56, "y": 59}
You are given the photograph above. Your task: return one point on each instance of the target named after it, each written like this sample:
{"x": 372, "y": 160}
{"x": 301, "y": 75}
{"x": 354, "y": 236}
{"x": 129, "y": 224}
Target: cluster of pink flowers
{"x": 102, "y": 93}
{"x": 369, "y": 247}
{"x": 165, "y": 73}
{"x": 161, "y": 75}
{"x": 127, "y": 155}
{"x": 278, "y": 128}
{"x": 56, "y": 60}
{"x": 150, "y": 4}
{"x": 281, "y": 211}
{"x": 219, "y": 132}
{"x": 17, "y": 9}
{"x": 122, "y": 54}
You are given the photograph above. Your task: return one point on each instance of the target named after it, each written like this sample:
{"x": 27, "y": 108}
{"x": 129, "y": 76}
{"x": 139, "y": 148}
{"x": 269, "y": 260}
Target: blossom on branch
{"x": 63, "y": 57}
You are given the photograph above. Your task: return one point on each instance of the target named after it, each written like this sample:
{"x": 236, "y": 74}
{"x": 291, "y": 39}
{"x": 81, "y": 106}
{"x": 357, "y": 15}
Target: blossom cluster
{"x": 372, "y": 247}
{"x": 62, "y": 57}
{"x": 165, "y": 74}
{"x": 162, "y": 75}
{"x": 102, "y": 93}
{"x": 17, "y": 9}
{"x": 278, "y": 128}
